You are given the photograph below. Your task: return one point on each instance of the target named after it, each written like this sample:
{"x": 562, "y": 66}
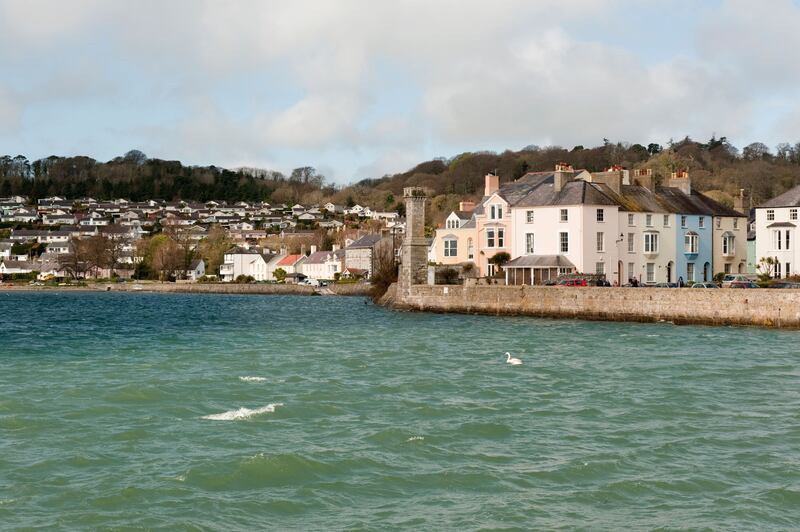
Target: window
{"x": 788, "y": 271}
{"x": 690, "y": 243}
{"x": 564, "y": 242}
{"x": 601, "y": 242}
{"x": 529, "y": 243}
{"x": 727, "y": 268}
{"x": 631, "y": 273}
{"x": 500, "y": 234}
{"x": 787, "y": 239}
{"x": 777, "y": 269}
{"x": 648, "y": 220}
{"x": 601, "y": 215}
{"x": 666, "y": 220}
{"x": 564, "y": 215}
{"x": 450, "y": 247}
{"x": 563, "y": 271}
{"x": 631, "y": 245}
{"x": 470, "y": 249}
{"x": 736, "y": 223}
{"x": 496, "y": 212}
{"x": 630, "y": 219}
{"x": 651, "y": 272}
{"x": 793, "y": 214}
{"x": 683, "y": 221}
{"x": 770, "y": 215}
{"x": 489, "y": 237}
{"x": 701, "y": 222}
{"x": 728, "y": 246}
{"x": 529, "y": 217}
{"x": 719, "y": 222}
{"x": 490, "y": 270}
{"x": 452, "y": 224}
{"x": 651, "y": 242}
{"x": 690, "y": 271}
{"x": 776, "y": 240}
{"x": 600, "y": 268}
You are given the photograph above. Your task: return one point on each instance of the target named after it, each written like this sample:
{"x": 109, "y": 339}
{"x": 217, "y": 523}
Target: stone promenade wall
{"x": 760, "y": 307}
{"x": 233, "y": 288}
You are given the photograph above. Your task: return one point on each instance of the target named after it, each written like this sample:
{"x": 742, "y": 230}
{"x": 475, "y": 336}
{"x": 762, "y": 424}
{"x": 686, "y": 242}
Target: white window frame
{"x": 690, "y": 271}
{"x": 563, "y": 215}
{"x": 666, "y": 220}
{"x": 529, "y": 243}
{"x": 600, "y": 268}
{"x": 496, "y": 212}
{"x": 470, "y": 249}
{"x": 736, "y": 223}
{"x": 648, "y": 220}
{"x": 563, "y": 242}
{"x": 631, "y": 219}
{"x": 631, "y": 242}
{"x": 691, "y": 243}
{"x": 490, "y": 237}
{"x": 601, "y": 242}
{"x": 719, "y": 222}
{"x": 450, "y": 247}
{"x": 793, "y": 214}
{"x": 728, "y": 245}
{"x": 770, "y": 215}
{"x": 651, "y": 243}
{"x": 501, "y": 237}
{"x": 684, "y": 220}
{"x": 529, "y": 217}
{"x": 601, "y": 216}
{"x": 650, "y": 272}
{"x": 701, "y": 222}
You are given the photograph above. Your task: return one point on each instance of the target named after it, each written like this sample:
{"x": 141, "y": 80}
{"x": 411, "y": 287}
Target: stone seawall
{"x": 233, "y": 288}
{"x": 757, "y": 307}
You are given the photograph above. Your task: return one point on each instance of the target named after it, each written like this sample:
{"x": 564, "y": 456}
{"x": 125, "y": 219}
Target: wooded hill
{"x": 716, "y": 167}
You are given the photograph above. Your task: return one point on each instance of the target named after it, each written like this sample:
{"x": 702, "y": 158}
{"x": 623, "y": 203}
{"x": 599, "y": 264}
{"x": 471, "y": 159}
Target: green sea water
{"x": 211, "y": 412}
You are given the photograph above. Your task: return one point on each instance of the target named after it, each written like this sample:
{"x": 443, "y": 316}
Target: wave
{"x": 243, "y": 413}
{"x": 252, "y": 379}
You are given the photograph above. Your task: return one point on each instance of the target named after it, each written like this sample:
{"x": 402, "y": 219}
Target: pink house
{"x": 493, "y": 226}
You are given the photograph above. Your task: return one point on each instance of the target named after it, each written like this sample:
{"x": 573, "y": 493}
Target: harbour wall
{"x": 748, "y": 307}
{"x": 356, "y": 289}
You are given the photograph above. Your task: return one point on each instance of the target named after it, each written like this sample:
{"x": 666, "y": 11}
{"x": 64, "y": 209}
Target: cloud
{"x": 364, "y": 88}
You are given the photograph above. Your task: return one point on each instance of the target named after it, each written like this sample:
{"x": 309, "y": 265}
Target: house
{"x": 196, "y": 270}
{"x": 776, "y": 223}
{"x": 10, "y": 267}
{"x": 240, "y": 261}
{"x": 455, "y": 243}
{"x": 323, "y": 265}
{"x": 290, "y": 263}
{"x": 363, "y": 253}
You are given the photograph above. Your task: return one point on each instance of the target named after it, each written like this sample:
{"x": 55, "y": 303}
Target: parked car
{"x": 743, "y": 284}
{"x": 784, "y": 285}
{"x": 664, "y": 285}
{"x": 705, "y": 285}
{"x": 731, "y": 277}
{"x": 573, "y": 282}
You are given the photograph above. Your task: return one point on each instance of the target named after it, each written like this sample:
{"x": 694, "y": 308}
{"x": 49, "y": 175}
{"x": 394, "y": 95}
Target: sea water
{"x": 319, "y": 413}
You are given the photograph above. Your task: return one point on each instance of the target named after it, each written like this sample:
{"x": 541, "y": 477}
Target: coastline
{"x": 358, "y": 290}
{"x": 723, "y": 307}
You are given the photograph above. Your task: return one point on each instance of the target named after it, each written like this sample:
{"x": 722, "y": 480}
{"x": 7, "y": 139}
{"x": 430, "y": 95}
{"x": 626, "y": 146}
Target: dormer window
{"x": 496, "y": 212}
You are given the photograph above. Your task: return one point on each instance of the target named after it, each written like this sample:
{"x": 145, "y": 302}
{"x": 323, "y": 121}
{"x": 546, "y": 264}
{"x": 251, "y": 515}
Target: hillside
{"x": 716, "y": 167}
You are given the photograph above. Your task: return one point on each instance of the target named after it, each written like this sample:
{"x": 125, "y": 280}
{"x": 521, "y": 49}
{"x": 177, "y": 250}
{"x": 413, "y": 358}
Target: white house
{"x": 196, "y": 270}
{"x": 776, "y": 231}
{"x": 323, "y": 265}
{"x": 239, "y": 261}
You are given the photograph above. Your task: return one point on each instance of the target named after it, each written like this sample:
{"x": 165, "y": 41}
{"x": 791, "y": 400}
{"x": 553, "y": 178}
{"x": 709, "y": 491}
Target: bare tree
{"x": 75, "y": 262}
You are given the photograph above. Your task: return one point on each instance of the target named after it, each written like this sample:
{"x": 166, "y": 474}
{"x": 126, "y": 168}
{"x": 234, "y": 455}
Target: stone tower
{"x": 414, "y": 256}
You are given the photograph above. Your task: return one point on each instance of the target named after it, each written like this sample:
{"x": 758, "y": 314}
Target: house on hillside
{"x": 240, "y": 261}
{"x": 363, "y": 253}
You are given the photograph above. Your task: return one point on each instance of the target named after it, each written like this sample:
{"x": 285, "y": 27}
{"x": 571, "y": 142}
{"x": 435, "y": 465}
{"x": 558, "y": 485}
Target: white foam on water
{"x": 415, "y": 438}
{"x": 252, "y": 379}
{"x": 243, "y": 413}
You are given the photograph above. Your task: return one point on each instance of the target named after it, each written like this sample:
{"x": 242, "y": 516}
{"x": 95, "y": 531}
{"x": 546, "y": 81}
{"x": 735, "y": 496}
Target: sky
{"x": 364, "y": 88}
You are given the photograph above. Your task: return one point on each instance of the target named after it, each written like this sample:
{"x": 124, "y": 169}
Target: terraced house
{"x": 613, "y": 223}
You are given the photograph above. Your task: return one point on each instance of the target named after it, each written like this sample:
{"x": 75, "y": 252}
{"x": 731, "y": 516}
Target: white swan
{"x": 512, "y": 360}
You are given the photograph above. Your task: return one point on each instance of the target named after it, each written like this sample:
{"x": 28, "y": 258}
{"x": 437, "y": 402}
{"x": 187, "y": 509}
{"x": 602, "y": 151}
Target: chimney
{"x": 561, "y": 176}
{"x": 492, "y": 184}
{"x": 741, "y": 202}
{"x": 680, "y": 179}
{"x": 466, "y": 206}
{"x": 644, "y": 178}
{"x": 611, "y": 178}
{"x": 335, "y": 248}
{"x": 302, "y": 249}
{"x": 313, "y": 249}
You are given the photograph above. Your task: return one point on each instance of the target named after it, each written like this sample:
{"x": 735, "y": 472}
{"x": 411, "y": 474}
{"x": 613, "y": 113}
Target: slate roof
{"x": 318, "y": 257}
{"x": 781, "y": 224}
{"x": 540, "y": 261}
{"x": 367, "y": 241}
{"x": 790, "y": 198}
